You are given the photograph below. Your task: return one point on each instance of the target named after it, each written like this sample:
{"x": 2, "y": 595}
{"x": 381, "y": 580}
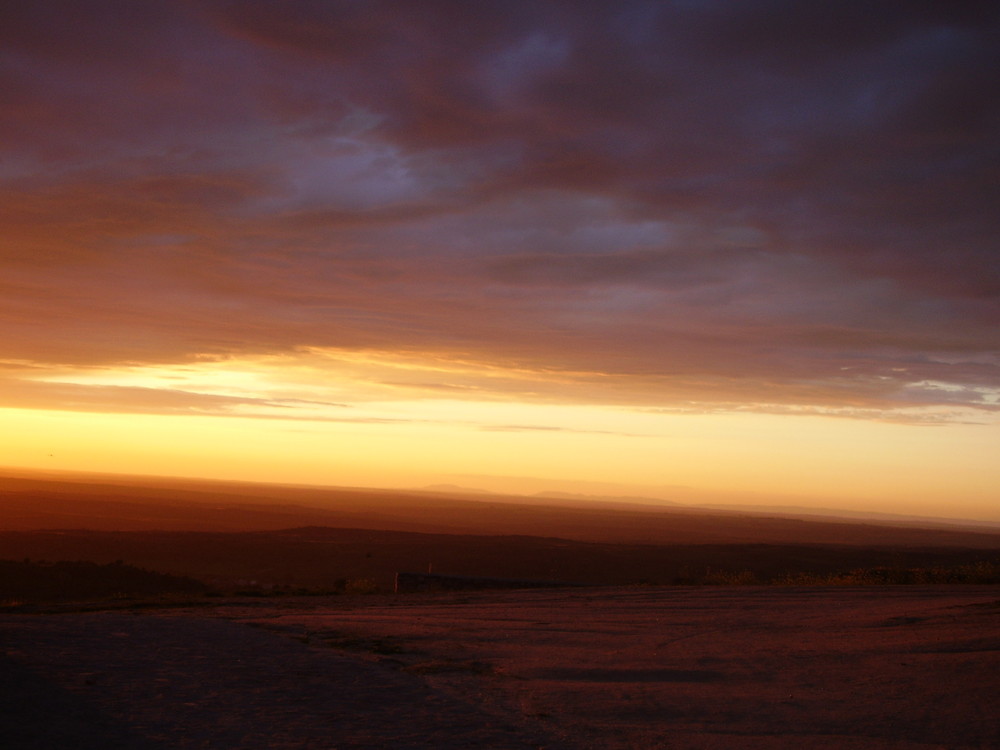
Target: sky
{"x": 723, "y": 251}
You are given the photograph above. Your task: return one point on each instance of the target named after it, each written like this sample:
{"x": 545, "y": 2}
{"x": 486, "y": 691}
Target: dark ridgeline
{"x": 30, "y": 581}
{"x": 341, "y": 560}
{"x": 413, "y": 582}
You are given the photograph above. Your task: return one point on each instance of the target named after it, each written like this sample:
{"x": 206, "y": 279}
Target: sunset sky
{"x": 716, "y": 251}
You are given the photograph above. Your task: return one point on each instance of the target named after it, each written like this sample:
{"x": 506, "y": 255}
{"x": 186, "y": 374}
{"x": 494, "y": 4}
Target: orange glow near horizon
{"x": 506, "y": 445}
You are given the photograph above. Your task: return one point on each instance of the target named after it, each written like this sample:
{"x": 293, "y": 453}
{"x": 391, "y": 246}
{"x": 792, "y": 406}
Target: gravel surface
{"x": 744, "y": 668}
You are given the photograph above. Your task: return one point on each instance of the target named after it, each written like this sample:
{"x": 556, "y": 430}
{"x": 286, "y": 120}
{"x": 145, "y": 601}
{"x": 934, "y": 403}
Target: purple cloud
{"x": 763, "y": 202}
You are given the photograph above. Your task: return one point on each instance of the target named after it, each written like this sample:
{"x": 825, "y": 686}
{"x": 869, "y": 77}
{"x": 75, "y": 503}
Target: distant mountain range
{"x": 136, "y": 505}
{"x": 336, "y": 538}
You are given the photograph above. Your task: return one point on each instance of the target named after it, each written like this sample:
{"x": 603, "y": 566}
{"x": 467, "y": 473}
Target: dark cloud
{"x": 660, "y": 270}
{"x": 761, "y": 202}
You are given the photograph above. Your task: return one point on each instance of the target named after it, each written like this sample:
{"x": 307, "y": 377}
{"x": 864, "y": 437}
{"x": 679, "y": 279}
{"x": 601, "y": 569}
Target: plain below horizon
{"x": 231, "y": 495}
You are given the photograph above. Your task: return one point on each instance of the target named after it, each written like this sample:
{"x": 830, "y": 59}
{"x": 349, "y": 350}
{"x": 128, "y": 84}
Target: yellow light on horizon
{"x": 428, "y": 442}
{"x": 379, "y": 419}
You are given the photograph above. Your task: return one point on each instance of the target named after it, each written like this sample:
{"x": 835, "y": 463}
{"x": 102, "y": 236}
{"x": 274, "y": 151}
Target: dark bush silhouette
{"x": 34, "y": 581}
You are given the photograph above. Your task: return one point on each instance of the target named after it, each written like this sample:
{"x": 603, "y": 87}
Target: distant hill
{"x": 28, "y": 504}
{"x": 329, "y": 559}
{"x": 622, "y": 501}
{"x": 454, "y": 489}
{"x": 236, "y": 534}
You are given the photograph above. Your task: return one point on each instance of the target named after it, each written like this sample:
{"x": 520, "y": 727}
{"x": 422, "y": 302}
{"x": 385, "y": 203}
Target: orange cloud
{"x": 637, "y": 205}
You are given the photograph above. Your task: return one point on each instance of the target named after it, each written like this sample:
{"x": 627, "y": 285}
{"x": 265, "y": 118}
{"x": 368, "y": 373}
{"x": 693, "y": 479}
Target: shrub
{"x": 361, "y": 586}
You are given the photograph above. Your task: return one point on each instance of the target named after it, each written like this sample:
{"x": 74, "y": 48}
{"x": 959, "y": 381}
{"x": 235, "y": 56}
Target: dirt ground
{"x": 741, "y": 667}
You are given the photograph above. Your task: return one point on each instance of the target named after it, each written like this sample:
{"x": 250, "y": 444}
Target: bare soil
{"x": 722, "y": 667}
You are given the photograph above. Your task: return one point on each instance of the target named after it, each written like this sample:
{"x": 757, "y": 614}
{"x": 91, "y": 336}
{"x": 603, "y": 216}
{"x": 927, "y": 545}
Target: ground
{"x": 674, "y": 667}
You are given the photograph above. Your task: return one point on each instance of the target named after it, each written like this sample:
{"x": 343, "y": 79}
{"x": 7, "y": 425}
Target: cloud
{"x": 24, "y": 394}
{"x": 748, "y": 205}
